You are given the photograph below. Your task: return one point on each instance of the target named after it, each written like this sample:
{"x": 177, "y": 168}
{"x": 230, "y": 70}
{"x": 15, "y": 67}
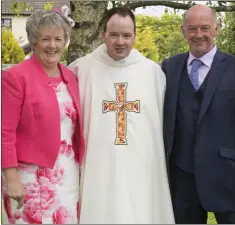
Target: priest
{"x": 124, "y": 177}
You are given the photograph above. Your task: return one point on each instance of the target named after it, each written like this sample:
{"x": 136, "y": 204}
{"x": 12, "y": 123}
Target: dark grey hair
{"x": 43, "y": 18}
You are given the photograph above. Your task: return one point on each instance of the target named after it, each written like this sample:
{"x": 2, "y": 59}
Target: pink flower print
{"x": 38, "y": 200}
{"x": 53, "y": 176}
{"x": 32, "y": 191}
{"x": 74, "y": 141}
{"x": 71, "y": 111}
{"x": 28, "y": 168}
{"x": 17, "y": 215}
{"x": 74, "y": 146}
{"x": 63, "y": 146}
{"x": 66, "y": 149}
{"x": 62, "y": 110}
{"x": 61, "y": 216}
{"x": 7, "y": 206}
{"x": 32, "y": 211}
{"x": 48, "y": 198}
{"x": 32, "y": 208}
{"x": 69, "y": 150}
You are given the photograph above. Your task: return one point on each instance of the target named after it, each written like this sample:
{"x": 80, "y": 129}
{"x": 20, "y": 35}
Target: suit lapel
{"x": 72, "y": 86}
{"x": 215, "y": 75}
{"x": 74, "y": 95}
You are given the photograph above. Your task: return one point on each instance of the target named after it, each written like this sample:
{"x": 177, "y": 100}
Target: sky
{"x": 159, "y": 10}
{"x": 152, "y": 10}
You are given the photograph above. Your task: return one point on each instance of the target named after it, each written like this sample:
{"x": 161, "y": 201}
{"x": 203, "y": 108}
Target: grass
{"x": 211, "y": 218}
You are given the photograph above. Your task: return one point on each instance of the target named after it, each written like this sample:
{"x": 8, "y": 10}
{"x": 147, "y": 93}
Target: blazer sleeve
{"x": 12, "y": 99}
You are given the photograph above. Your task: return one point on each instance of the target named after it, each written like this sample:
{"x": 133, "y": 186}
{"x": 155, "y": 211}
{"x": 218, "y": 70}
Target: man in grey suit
{"x": 199, "y": 123}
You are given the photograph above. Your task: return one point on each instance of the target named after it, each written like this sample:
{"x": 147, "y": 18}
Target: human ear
{"x": 182, "y": 28}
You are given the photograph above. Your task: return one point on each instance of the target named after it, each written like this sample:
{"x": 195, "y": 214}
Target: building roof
{"x": 33, "y": 4}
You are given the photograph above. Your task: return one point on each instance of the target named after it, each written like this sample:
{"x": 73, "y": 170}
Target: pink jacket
{"x": 31, "y": 117}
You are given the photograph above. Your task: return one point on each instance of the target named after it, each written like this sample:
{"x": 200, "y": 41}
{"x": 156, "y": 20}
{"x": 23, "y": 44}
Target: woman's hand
{"x": 14, "y": 188}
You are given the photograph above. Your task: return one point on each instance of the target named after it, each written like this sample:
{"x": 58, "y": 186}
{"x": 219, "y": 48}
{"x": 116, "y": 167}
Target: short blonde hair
{"x": 43, "y": 18}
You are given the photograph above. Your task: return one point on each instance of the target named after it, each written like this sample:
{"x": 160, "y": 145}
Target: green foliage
{"x": 145, "y": 41}
{"x": 211, "y": 218}
{"x": 12, "y": 53}
{"x": 167, "y": 36}
{"x": 64, "y": 57}
{"x": 226, "y": 39}
{"x": 49, "y": 5}
{"x": 18, "y": 7}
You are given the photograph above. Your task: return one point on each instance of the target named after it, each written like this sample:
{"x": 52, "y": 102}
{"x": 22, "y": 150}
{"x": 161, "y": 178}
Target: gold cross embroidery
{"x": 121, "y": 106}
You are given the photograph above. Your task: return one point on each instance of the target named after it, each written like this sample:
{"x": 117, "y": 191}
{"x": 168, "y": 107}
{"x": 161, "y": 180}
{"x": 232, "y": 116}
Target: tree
{"x": 12, "y": 53}
{"x": 86, "y": 34}
{"x": 18, "y": 7}
{"x": 87, "y": 15}
{"x": 145, "y": 42}
{"x": 49, "y": 5}
{"x": 226, "y": 39}
{"x": 168, "y": 39}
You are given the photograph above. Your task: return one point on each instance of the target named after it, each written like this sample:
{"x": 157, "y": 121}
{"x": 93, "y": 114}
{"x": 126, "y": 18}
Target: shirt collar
{"x": 207, "y": 59}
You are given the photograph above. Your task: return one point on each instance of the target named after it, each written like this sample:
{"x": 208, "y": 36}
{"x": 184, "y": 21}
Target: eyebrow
{"x": 113, "y": 32}
{"x": 46, "y": 36}
{"x": 203, "y": 25}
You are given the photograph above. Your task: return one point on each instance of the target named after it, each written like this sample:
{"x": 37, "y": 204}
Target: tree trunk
{"x": 86, "y": 34}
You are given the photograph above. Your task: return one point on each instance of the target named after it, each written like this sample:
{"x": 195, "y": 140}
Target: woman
{"x": 42, "y": 142}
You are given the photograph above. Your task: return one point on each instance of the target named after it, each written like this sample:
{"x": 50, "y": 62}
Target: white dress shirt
{"x": 207, "y": 60}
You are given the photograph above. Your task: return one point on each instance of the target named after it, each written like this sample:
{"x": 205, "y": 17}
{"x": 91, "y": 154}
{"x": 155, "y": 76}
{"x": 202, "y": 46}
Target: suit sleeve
{"x": 12, "y": 98}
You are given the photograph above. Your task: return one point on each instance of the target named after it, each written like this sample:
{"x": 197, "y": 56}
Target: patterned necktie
{"x": 194, "y": 74}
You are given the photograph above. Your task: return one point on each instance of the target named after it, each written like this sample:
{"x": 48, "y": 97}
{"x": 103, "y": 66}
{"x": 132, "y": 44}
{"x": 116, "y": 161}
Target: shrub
{"x": 64, "y": 57}
{"x": 12, "y": 53}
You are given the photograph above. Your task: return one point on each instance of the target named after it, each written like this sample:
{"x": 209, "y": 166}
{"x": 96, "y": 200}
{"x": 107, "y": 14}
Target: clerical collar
{"x": 117, "y": 61}
{"x": 101, "y": 55}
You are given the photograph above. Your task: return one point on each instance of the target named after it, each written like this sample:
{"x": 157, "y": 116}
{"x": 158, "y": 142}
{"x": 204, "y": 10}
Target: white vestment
{"x": 125, "y": 177}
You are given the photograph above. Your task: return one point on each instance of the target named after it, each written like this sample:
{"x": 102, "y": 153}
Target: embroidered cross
{"x": 120, "y": 106}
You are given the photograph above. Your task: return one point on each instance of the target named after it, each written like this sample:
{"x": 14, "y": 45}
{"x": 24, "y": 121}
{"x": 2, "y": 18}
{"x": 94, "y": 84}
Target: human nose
{"x": 198, "y": 33}
{"x": 120, "y": 40}
{"x": 52, "y": 44}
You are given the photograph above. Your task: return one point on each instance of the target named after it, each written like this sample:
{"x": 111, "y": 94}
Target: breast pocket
{"x": 227, "y": 153}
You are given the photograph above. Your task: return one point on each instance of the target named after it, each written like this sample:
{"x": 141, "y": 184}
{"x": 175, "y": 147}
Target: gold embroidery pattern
{"x": 120, "y": 106}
